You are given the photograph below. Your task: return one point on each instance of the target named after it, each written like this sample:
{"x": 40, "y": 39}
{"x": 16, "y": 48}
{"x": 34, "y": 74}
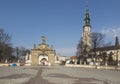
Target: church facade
{"x": 111, "y": 53}
{"x": 43, "y": 54}
{"x": 103, "y": 54}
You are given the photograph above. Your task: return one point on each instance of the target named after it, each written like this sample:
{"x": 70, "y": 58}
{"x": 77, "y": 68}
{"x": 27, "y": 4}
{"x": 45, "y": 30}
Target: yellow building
{"x": 42, "y": 54}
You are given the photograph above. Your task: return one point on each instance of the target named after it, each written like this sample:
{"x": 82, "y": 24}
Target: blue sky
{"x": 61, "y": 21}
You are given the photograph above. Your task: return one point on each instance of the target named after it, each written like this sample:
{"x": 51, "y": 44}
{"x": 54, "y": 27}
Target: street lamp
{"x": 117, "y": 59}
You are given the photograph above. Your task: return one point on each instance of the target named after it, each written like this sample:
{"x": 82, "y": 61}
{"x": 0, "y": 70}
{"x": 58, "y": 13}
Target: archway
{"x": 43, "y": 60}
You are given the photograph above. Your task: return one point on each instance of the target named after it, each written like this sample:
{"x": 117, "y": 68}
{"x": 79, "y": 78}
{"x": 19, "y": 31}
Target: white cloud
{"x": 111, "y": 31}
{"x": 66, "y": 51}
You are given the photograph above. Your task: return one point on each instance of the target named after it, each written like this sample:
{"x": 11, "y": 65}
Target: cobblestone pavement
{"x": 57, "y": 75}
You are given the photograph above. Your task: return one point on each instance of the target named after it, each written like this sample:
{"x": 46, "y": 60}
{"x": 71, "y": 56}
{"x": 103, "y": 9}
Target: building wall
{"x": 115, "y": 56}
{"x": 34, "y": 59}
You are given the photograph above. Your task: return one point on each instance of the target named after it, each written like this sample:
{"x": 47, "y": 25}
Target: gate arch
{"x": 42, "y": 60}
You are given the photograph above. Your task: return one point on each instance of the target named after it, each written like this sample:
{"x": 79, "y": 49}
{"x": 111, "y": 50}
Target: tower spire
{"x": 116, "y": 41}
{"x": 86, "y": 35}
{"x": 87, "y": 18}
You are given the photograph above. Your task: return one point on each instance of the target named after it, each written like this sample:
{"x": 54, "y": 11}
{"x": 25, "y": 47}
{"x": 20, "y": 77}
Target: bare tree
{"x": 19, "y": 52}
{"x": 79, "y": 48}
{"x": 97, "y": 40}
{"x": 4, "y": 37}
{"x": 5, "y": 46}
{"x": 16, "y": 52}
{"x": 108, "y": 44}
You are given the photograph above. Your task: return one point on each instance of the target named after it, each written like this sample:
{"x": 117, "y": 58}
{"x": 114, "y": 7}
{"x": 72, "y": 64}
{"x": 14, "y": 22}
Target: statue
{"x": 43, "y": 39}
{"x": 34, "y": 46}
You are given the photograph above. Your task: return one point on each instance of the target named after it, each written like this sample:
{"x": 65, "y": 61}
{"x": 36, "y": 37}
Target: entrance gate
{"x": 43, "y": 60}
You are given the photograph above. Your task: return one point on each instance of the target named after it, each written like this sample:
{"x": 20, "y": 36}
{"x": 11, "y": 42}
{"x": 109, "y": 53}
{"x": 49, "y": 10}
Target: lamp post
{"x": 106, "y": 63}
{"x": 117, "y": 59}
{"x": 105, "y": 58}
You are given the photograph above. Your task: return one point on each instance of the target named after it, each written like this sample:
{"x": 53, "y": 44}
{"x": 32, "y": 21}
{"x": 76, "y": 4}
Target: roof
{"x": 73, "y": 57}
{"x": 107, "y": 48}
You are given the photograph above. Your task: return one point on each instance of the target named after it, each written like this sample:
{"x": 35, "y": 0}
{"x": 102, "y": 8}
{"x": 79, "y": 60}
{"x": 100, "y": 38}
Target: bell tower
{"x": 86, "y": 34}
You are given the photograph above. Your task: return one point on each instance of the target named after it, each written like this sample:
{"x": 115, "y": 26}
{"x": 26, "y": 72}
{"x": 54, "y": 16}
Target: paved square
{"x": 57, "y": 75}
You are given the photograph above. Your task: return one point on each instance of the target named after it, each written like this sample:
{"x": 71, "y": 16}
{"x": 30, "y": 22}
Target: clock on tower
{"x": 86, "y": 29}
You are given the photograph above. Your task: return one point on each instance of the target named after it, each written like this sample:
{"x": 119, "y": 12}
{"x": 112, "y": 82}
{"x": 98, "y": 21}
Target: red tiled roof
{"x": 73, "y": 57}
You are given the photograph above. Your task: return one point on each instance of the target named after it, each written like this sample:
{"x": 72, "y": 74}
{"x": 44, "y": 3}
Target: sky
{"x": 61, "y": 21}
